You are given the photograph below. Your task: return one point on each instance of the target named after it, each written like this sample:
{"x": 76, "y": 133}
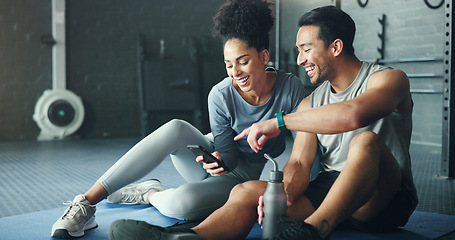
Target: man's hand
{"x": 259, "y": 133}
{"x": 212, "y": 168}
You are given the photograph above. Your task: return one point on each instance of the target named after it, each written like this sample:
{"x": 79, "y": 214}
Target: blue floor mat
{"x": 37, "y": 225}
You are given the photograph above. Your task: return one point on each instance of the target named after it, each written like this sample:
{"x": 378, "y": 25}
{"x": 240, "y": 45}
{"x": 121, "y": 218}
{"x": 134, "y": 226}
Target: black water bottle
{"x": 274, "y": 203}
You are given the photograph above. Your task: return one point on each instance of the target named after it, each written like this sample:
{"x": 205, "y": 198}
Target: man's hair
{"x": 247, "y": 20}
{"x": 333, "y": 24}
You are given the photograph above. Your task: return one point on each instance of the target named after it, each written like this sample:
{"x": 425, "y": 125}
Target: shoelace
{"x": 73, "y": 209}
{"x": 286, "y": 219}
{"x": 295, "y": 230}
{"x": 136, "y": 196}
{"x": 292, "y": 232}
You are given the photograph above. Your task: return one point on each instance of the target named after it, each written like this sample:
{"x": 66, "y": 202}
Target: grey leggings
{"x": 194, "y": 200}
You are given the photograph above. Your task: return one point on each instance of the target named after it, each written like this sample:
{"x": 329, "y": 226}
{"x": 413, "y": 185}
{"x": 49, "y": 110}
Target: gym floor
{"x": 40, "y": 175}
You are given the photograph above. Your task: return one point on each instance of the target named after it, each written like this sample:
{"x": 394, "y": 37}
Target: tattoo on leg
{"x": 324, "y": 227}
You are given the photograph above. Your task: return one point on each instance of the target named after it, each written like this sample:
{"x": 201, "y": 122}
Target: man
{"x": 361, "y": 115}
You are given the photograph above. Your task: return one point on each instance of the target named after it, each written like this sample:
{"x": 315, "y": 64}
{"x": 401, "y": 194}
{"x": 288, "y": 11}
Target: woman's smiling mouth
{"x": 242, "y": 81}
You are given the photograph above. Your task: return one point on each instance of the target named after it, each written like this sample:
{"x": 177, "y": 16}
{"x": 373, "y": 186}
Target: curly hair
{"x": 247, "y": 20}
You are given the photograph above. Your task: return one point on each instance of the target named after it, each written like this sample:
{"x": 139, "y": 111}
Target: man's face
{"x": 313, "y": 55}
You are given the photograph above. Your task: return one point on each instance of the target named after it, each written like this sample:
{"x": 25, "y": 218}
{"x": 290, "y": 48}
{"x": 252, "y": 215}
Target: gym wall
{"x": 102, "y": 55}
{"x": 101, "y": 58}
{"x": 412, "y": 31}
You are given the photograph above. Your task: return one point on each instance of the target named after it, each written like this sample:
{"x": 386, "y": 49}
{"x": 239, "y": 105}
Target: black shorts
{"x": 395, "y": 215}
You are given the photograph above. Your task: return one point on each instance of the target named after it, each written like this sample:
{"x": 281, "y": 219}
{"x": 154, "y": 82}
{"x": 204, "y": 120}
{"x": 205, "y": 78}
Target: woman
{"x": 250, "y": 94}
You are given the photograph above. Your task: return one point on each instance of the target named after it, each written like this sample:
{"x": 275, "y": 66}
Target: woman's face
{"x": 245, "y": 65}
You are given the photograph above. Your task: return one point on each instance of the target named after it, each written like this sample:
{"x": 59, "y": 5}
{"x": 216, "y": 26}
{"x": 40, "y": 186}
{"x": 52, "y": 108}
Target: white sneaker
{"x": 78, "y": 217}
{"x": 135, "y": 193}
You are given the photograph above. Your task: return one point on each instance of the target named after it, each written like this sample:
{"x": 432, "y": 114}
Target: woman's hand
{"x": 261, "y": 209}
{"x": 212, "y": 168}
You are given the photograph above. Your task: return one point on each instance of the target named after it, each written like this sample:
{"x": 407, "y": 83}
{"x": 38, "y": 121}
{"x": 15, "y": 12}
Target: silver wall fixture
{"x": 448, "y": 117}
{"x": 58, "y": 112}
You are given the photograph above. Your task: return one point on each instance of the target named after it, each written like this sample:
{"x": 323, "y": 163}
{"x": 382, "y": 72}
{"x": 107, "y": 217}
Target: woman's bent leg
{"x": 137, "y": 162}
{"x": 185, "y": 161}
{"x": 196, "y": 200}
{"x": 150, "y": 152}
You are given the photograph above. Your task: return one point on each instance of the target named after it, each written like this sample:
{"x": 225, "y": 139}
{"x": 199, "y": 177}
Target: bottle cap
{"x": 276, "y": 176}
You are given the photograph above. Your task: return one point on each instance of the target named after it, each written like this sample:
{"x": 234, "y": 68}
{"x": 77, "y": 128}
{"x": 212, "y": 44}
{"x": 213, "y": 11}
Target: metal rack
{"x": 448, "y": 118}
{"x": 448, "y": 132}
{"x": 164, "y": 80}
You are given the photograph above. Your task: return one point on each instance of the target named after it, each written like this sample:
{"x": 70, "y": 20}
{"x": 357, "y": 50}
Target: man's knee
{"x": 365, "y": 148}
{"x": 377, "y": 157}
{"x": 250, "y": 190}
{"x": 240, "y": 190}
{"x": 366, "y": 141}
{"x": 365, "y": 138}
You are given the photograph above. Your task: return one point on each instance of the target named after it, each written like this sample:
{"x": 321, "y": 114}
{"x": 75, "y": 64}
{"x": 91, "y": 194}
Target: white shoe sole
{"x": 63, "y": 233}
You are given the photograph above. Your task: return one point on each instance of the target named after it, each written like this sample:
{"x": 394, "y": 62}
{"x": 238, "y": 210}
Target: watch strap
{"x": 279, "y": 118}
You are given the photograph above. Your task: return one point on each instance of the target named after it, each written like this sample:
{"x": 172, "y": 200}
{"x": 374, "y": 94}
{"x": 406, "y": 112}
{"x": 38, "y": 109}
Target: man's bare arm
{"x": 297, "y": 169}
{"x": 387, "y": 91}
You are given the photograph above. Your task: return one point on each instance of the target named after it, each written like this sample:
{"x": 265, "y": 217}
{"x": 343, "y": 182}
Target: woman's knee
{"x": 174, "y": 126}
{"x": 189, "y": 203}
{"x": 177, "y": 125}
{"x": 177, "y": 129}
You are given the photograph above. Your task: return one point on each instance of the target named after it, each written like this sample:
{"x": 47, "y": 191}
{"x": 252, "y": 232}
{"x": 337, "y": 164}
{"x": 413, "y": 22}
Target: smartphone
{"x": 208, "y": 157}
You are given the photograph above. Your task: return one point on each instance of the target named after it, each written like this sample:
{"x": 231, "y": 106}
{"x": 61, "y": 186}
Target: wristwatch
{"x": 279, "y": 118}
